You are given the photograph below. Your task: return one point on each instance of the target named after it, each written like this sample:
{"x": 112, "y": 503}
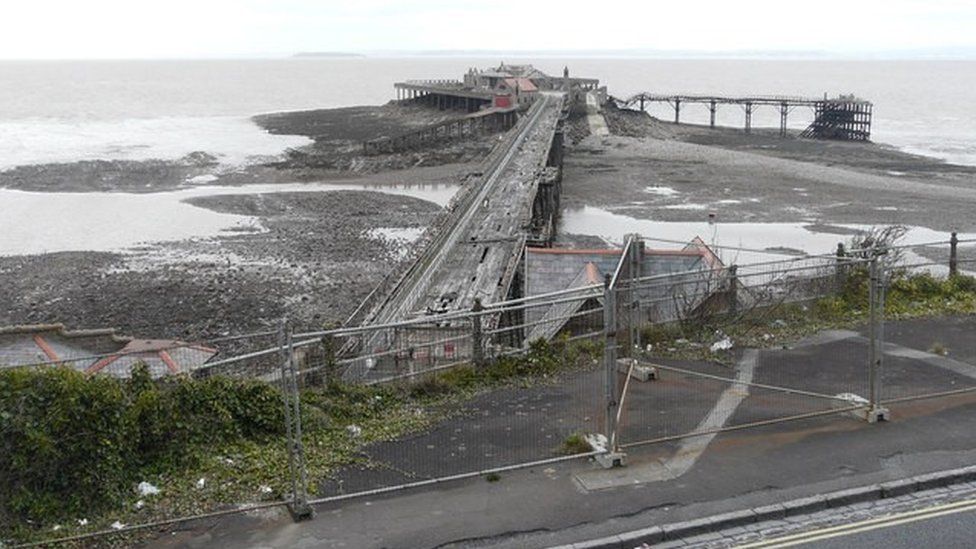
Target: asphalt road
{"x": 943, "y": 526}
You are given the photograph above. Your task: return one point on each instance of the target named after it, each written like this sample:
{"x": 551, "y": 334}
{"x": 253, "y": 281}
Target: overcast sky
{"x": 219, "y": 28}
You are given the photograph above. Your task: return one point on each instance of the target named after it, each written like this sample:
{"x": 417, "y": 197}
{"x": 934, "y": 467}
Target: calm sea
{"x": 64, "y": 111}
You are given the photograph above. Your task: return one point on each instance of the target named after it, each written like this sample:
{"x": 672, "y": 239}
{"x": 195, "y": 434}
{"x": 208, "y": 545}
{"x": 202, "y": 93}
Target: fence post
{"x": 734, "y": 290}
{"x": 612, "y": 457}
{"x": 839, "y": 273}
{"x": 875, "y": 411}
{"x": 637, "y": 254}
{"x": 953, "y": 254}
{"x": 299, "y": 507}
{"x": 477, "y": 344}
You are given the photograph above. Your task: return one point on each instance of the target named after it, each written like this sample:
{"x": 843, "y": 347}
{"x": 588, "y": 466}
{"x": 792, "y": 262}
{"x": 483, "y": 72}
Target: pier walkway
{"x": 474, "y": 256}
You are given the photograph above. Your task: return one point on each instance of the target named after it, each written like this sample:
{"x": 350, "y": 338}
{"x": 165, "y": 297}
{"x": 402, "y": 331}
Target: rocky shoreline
{"x": 313, "y": 256}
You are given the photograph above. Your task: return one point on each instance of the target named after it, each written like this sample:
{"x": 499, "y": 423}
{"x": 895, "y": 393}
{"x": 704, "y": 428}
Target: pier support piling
{"x": 784, "y": 112}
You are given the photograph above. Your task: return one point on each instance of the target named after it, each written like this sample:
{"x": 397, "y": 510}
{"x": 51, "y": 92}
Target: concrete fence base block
{"x": 875, "y": 415}
{"x": 640, "y": 371}
{"x": 609, "y": 460}
{"x": 301, "y": 511}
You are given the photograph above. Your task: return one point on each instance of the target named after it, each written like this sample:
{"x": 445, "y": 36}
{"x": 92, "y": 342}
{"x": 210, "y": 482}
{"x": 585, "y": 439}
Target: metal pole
{"x": 953, "y": 254}
{"x": 477, "y": 347}
{"x": 285, "y": 348}
{"x": 875, "y": 353}
{"x": 734, "y": 290}
{"x": 610, "y": 359}
{"x": 879, "y": 357}
{"x": 839, "y": 272}
{"x": 872, "y": 331}
{"x": 301, "y": 509}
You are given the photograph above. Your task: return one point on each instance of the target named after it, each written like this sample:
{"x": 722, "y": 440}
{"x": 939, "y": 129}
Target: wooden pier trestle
{"x": 844, "y": 118}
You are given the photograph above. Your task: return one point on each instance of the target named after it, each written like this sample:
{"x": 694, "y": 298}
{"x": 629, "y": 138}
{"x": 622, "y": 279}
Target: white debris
{"x": 56, "y": 527}
{"x": 779, "y": 323}
{"x": 597, "y": 441}
{"x": 228, "y": 461}
{"x": 681, "y": 341}
{"x": 82, "y": 522}
{"x": 649, "y": 348}
{"x": 146, "y": 489}
{"x": 856, "y": 400}
{"x": 354, "y": 430}
{"x": 140, "y": 504}
{"x": 265, "y": 489}
{"x": 118, "y": 525}
{"x": 201, "y": 483}
{"x": 722, "y": 345}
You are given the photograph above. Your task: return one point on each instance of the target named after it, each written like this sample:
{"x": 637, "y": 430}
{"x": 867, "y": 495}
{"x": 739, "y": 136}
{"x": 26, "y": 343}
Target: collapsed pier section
{"x": 844, "y": 118}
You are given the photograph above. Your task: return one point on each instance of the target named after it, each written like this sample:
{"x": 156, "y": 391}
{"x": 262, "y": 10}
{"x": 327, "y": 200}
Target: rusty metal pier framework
{"x": 844, "y": 118}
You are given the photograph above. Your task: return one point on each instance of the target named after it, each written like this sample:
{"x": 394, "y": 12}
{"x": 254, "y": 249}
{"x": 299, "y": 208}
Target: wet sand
{"x": 651, "y": 170}
{"x": 313, "y": 256}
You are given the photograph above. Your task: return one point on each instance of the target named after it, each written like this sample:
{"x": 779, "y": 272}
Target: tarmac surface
{"x": 551, "y": 505}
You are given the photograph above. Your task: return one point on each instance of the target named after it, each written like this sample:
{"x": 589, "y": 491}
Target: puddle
{"x": 686, "y": 206}
{"x": 661, "y": 191}
{"x": 775, "y": 237}
{"x": 35, "y": 222}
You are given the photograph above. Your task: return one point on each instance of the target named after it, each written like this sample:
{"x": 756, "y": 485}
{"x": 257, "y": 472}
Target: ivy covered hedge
{"x": 74, "y": 446}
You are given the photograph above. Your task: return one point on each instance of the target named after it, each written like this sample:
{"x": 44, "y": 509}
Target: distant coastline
{"x": 329, "y": 55}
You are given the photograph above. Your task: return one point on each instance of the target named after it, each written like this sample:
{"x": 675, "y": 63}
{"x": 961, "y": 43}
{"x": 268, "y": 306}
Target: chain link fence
{"x": 588, "y": 372}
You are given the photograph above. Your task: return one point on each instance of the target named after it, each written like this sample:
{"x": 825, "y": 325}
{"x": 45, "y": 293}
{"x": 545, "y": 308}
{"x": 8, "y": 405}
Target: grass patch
{"x": 574, "y": 444}
{"x": 908, "y": 296}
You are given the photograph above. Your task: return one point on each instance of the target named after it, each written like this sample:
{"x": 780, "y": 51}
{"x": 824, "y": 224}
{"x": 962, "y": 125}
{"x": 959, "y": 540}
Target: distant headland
{"x": 330, "y": 54}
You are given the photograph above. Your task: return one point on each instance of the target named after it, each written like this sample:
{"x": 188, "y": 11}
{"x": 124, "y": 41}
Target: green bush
{"x": 75, "y": 445}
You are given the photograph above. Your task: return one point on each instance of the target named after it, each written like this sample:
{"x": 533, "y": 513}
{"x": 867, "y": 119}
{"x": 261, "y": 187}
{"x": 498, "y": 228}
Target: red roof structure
{"x": 162, "y": 356}
{"x": 523, "y": 85}
{"x": 97, "y": 351}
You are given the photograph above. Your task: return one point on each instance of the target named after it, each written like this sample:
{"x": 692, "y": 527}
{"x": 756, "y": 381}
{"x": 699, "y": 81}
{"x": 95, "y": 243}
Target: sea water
{"x": 60, "y": 111}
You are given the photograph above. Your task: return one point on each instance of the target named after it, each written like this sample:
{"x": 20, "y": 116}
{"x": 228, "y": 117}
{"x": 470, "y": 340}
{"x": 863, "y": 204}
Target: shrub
{"x": 75, "y": 445}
